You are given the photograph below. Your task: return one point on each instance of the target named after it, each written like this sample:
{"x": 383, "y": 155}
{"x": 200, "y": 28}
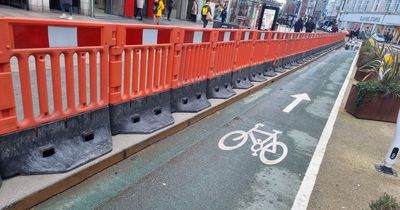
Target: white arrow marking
{"x": 297, "y": 100}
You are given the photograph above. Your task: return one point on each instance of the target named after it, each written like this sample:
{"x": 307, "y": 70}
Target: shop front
{"x": 23, "y": 4}
{"x": 244, "y": 13}
{"x": 375, "y": 23}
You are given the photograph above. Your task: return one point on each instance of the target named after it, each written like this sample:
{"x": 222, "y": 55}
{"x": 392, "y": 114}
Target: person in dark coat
{"x": 298, "y": 26}
{"x": 335, "y": 29}
{"x": 170, "y": 5}
{"x": 356, "y": 33}
{"x": 224, "y": 14}
{"x": 310, "y": 26}
{"x": 63, "y": 4}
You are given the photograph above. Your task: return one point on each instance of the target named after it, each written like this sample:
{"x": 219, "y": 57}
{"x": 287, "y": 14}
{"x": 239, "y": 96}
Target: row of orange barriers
{"x": 68, "y": 86}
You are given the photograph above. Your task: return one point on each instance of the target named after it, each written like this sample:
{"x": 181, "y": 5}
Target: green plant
{"x": 368, "y": 90}
{"x": 385, "y": 202}
{"x": 384, "y": 73}
{"x": 367, "y": 54}
{"x": 386, "y": 66}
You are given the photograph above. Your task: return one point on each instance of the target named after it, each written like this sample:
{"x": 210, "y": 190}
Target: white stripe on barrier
{"x": 150, "y": 36}
{"x": 246, "y": 35}
{"x": 227, "y": 36}
{"x": 62, "y": 36}
{"x": 262, "y": 36}
{"x": 198, "y": 37}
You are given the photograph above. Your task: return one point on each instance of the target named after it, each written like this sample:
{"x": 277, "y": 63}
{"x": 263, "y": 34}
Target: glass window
{"x": 388, "y": 2}
{"x": 397, "y": 7}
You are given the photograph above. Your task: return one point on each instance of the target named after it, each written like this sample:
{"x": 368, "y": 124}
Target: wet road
{"x": 193, "y": 170}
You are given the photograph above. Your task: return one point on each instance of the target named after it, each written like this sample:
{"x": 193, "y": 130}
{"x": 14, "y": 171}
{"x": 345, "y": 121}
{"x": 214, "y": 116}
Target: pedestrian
{"x": 356, "y": 33}
{"x": 170, "y": 5}
{"x": 298, "y": 25}
{"x": 335, "y": 29}
{"x": 63, "y": 4}
{"x": 158, "y": 7}
{"x": 351, "y": 34}
{"x": 194, "y": 11}
{"x": 206, "y": 14}
{"x": 310, "y": 26}
{"x": 390, "y": 37}
{"x": 224, "y": 14}
{"x": 139, "y": 9}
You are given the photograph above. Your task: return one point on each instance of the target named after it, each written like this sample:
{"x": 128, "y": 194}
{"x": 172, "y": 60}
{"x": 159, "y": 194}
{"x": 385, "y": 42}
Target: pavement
{"x": 347, "y": 177}
{"x": 191, "y": 170}
{"x": 54, "y": 14}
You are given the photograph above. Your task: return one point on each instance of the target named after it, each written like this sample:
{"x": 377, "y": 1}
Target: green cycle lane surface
{"x": 188, "y": 170}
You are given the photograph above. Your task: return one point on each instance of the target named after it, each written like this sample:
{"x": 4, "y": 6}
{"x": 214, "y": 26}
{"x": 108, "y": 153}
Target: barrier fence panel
{"x": 54, "y": 111}
{"x": 223, "y": 56}
{"x": 260, "y": 47}
{"x": 272, "y": 45}
{"x": 280, "y": 52}
{"x": 243, "y": 60}
{"x": 288, "y": 52}
{"x": 140, "y": 78}
{"x": 297, "y": 48}
{"x": 189, "y": 90}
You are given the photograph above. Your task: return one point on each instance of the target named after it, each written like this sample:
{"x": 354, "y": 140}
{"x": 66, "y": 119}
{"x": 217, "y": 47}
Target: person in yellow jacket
{"x": 158, "y": 7}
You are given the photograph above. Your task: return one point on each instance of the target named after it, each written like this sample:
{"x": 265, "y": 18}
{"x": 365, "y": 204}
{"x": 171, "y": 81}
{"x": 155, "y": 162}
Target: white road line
{"x": 307, "y": 186}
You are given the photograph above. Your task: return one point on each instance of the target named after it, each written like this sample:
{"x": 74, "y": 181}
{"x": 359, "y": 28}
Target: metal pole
{"x": 92, "y": 8}
{"x": 393, "y": 150}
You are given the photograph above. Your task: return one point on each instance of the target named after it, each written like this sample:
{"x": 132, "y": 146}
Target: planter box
{"x": 380, "y": 108}
{"x": 360, "y": 75}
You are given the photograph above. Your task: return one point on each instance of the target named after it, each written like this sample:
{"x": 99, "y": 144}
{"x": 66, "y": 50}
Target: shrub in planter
{"x": 379, "y": 97}
{"x": 374, "y": 101}
{"x": 367, "y": 54}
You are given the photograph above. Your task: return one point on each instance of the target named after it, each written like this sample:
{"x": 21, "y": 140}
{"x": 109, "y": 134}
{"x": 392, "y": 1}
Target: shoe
{"x": 69, "y": 18}
{"x": 169, "y": 19}
{"x": 141, "y": 19}
{"x": 63, "y": 16}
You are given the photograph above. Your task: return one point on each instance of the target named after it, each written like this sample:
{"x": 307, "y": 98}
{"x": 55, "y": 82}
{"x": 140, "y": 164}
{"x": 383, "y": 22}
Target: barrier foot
{"x": 220, "y": 87}
{"x": 142, "y": 115}
{"x": 257, "y": 74}
{"x": 56, "y": 147}
{"x": 190, "y": 98}
{"x": 241, "y": 79}
{"x": 287, "y": 66}
{"x": 269, "y": 70}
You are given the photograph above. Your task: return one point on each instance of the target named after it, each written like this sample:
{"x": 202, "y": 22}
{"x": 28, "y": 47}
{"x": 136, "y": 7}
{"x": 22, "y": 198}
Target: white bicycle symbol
{"x": 258, "y": 145}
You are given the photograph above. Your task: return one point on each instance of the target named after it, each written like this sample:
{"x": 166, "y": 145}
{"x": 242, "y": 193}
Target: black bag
{"x": 155, "y": 7}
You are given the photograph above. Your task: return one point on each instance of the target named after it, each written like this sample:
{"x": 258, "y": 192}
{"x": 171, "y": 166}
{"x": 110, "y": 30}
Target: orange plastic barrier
{"x": 244, "y": 50}
{"x": 224, "y": 50}
{"x": 261, "y": 47}
{"x": 195, "y": 56}
{"x": 273, "y": 46}
{"x": 86, "y": 41}
{"x": 144, "y": 55}
{"x": 65, "y": 90}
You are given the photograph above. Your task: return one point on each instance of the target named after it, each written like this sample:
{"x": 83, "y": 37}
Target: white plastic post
{"x": 390, "y": 158}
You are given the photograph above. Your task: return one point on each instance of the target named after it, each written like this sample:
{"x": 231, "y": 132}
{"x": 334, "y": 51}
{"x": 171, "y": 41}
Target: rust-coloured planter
{"x": 360, "y": 75}
{"x": 380, "y": 108}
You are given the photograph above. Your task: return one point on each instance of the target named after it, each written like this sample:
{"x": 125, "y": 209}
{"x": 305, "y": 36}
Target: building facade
{"x": 375, "y": 16}
{"x": 83, "y": 7}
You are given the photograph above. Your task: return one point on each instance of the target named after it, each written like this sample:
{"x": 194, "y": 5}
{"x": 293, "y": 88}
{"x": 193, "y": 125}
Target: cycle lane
{"x": 202, "y": 176}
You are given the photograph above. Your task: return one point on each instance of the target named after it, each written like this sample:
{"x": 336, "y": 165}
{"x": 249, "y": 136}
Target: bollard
{"x": 391, "y": 155}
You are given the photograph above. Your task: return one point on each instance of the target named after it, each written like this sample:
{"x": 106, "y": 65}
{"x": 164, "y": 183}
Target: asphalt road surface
{"x": 195, "y": 169}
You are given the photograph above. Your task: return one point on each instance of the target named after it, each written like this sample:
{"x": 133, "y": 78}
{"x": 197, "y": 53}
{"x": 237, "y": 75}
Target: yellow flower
{"x": 388, "y": 59}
